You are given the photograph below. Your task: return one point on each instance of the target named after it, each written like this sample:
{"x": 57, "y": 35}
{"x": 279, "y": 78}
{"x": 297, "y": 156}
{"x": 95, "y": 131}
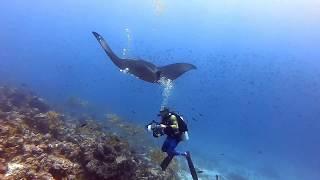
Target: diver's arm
{"x": 174, "y": 121}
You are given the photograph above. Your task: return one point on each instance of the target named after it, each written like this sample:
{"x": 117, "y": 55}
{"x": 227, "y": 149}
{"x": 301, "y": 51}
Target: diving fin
{"x": 165, "y": 163}
{"x": 191, "y": 167}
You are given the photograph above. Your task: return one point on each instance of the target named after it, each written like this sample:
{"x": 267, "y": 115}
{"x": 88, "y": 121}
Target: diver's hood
{"x": 164, "y": 112}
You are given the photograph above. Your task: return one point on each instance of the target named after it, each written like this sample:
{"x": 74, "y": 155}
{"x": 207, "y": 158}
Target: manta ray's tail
{"x": 115, "y": 59}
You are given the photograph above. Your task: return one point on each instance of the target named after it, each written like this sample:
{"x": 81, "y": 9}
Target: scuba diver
{"x": 176, "y": 130}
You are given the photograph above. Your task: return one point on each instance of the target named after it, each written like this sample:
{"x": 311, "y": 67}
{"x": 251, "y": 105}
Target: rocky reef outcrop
{"x": 37, "y": 142}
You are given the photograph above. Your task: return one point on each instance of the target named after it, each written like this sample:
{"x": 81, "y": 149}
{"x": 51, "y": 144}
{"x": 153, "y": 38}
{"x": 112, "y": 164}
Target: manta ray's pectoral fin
{"x": 173, "y": 71}
{"x": 114, "y": 58}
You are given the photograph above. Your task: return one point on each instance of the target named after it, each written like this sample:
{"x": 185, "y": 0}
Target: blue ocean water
{"x": 252, "y": 105}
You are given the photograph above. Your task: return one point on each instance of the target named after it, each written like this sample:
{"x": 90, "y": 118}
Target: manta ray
{"x": 143, "y": 69}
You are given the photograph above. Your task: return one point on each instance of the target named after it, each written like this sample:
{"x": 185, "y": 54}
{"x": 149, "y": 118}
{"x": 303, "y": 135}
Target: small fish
{"x": 24, "y": 85}
{"x": 83, "y": 124}
{"x": 199, "y": 170}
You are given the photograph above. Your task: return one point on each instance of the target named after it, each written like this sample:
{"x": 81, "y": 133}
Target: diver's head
{"x": 164, "y": 112}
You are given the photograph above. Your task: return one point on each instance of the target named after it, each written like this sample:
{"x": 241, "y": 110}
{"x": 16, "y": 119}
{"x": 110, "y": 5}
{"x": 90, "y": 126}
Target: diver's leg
{"x": 171, "y": 147}
{"x": 165, "y": 145}
{"x": 165, "y": 163}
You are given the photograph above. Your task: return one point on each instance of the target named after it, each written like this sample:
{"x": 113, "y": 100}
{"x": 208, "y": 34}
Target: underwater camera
{"x": 155, "y": 128}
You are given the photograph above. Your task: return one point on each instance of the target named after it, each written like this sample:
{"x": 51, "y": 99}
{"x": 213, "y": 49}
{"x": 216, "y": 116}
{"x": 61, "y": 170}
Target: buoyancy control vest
{"x": 182, "y": 125}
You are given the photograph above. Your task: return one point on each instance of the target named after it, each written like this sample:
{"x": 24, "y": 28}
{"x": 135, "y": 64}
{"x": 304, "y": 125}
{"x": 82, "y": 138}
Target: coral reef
{"x": 39, "y": 143}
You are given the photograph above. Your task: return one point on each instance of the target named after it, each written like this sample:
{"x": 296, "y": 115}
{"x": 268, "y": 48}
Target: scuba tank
{"x": 185, "y": 136}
